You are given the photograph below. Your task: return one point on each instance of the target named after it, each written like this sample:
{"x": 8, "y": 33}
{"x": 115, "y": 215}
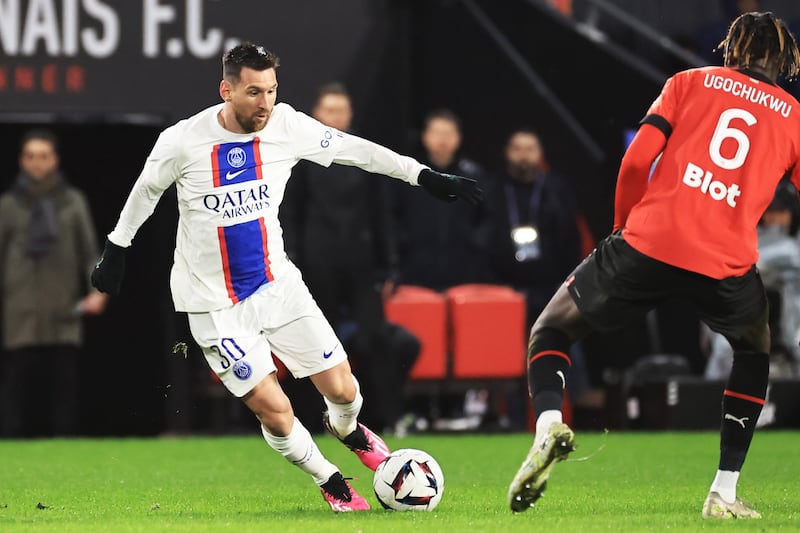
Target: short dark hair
{"x": 247, "y": 55}
{"x": 441, "y": 114}
{"x": 332, "y": 88}
{"x": 756, "y": 36}
{"x": 39, "y": 134}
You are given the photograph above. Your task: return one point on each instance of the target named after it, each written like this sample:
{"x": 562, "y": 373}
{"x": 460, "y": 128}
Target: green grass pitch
{"x": 637, "y": 482}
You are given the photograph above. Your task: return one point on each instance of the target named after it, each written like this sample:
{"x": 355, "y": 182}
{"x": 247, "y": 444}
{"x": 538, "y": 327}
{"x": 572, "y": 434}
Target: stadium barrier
{"x": 693, "y": 403}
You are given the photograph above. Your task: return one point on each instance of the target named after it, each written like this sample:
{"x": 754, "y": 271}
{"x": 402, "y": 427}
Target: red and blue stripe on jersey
{"x": 244, "y": 246}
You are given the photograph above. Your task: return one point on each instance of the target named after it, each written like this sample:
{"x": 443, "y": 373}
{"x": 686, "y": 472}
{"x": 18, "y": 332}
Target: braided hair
{"x": 755, "y": 36}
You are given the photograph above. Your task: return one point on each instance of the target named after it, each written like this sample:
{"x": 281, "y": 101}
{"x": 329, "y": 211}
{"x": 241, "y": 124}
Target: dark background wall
{"x": 399, "y": 58}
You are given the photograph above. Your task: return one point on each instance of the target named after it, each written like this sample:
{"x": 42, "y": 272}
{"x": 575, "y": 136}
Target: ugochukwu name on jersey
{"x": 747, "y": 91}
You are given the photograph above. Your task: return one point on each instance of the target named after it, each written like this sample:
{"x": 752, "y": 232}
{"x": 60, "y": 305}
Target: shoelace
{"x": 341, "y": 496}
{"x": 358, "y": 440}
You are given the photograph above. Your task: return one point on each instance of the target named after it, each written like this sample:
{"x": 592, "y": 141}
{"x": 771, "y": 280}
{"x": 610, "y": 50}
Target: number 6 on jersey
{"x": 698, "y": 178}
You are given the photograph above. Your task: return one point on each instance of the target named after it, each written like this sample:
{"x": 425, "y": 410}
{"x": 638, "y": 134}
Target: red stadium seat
{"x": 488, "y": 331}
{"x": 424, "y": 313}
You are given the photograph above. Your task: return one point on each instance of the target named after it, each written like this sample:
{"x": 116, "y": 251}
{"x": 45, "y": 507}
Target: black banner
{"x": 161, "y": 58}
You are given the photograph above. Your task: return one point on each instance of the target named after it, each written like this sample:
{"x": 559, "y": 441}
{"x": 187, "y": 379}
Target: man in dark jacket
{"x": 47, "y": 249}
{"x": 535, "y": 240}
{"x": 441, "y": 245}
{"x": 337, "y": 228}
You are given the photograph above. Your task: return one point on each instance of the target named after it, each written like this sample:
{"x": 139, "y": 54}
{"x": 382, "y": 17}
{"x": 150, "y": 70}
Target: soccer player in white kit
{"x": 244, "y": 298}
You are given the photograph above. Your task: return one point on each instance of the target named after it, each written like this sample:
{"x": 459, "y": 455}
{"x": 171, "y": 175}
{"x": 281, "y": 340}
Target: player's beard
{"x": 248, "y": 122}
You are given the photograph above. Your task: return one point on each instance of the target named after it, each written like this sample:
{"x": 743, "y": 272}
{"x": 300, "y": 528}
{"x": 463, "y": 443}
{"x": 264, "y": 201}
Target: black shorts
{"x": 616, "y": 284}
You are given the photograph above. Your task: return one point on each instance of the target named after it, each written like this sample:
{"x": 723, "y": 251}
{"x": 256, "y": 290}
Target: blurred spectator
{"x": 441, "y": 245}
{"x": 779, "y": 266}
{"x": 535, "y": 239}
{"x": 337, "y": 228}
{"x": 47, "y": 249}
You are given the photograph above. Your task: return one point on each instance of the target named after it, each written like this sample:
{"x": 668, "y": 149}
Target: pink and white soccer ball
{"x": 409, "y": 480}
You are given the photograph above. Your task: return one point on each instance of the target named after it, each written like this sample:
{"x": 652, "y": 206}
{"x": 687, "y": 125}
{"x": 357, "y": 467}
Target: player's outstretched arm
{"x": 634, "y": 171}
{"x": 372, "y": 157}
{"x": 159, "y": 172}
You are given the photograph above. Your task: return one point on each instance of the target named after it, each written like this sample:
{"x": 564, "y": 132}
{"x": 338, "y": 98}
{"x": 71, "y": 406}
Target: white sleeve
{"x": 160, "y": 170}
{"x": 367, "y": 155}
{"x": 311, "y": 139}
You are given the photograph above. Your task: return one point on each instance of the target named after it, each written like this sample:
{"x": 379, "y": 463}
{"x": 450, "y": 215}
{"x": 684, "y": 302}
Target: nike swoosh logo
{"x": 230, "y": 175}
{"x": 563, "y": 381}
{"x": 326, "y": 355}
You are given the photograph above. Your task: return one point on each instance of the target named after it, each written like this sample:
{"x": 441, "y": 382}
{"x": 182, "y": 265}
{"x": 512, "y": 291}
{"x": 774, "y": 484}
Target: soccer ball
{"x": 409, "y": 480}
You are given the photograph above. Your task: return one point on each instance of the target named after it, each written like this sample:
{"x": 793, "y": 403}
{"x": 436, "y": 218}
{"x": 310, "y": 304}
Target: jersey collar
{"x": 755, "y": 75}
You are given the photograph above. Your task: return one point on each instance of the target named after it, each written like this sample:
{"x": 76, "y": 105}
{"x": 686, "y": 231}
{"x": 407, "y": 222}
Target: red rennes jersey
{"x": 731, "y": 137}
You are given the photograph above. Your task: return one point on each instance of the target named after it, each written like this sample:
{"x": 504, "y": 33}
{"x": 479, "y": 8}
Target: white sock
{"x": 300, "y": 449}
{"x": 725, "y": 484}
{"x": 547, "y": 419}
{"x": 343, "y": 416}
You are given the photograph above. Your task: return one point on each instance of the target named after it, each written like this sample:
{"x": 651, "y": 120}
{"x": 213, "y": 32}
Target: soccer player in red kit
{"x": 725, "y": 136}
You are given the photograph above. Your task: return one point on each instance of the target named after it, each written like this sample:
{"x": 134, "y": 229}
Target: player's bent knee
{"x": 278, "y": 421}
{"x": 550, "y": 336}
{"x": 336, "y": 384}
{"x": 562, "y": 314}
{"x": 341, "y": 393}
{"x": 271, "y": 406}
{"x": 754, "y": 339}
{"x": 277, "y": 424}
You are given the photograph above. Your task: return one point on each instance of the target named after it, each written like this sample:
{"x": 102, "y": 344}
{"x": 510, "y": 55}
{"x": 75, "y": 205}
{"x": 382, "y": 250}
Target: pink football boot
{"x": 368, "y": 446}
{"x": 341, "y": 496}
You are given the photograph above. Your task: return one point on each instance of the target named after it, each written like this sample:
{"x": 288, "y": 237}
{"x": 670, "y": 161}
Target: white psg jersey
{"x": 229, "y": 241}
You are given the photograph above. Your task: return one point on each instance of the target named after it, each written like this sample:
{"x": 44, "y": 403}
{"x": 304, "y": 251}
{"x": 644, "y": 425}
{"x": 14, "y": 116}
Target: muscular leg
{"x": 341, "y": 393}
{"x": 283, "y": 432}
{"x": 741, "y": 405}
{"x": 612, "y": 301}
{"x": 271, "y": 406}
{"x": 558, "y": 326}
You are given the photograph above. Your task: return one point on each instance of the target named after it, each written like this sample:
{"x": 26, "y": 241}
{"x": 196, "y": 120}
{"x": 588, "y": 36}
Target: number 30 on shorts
{"x": 232, "y": 352}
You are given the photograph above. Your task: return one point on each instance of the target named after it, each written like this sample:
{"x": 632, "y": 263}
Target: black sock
{"x": 741, "y": 406}
{"x": 548, "y": 366}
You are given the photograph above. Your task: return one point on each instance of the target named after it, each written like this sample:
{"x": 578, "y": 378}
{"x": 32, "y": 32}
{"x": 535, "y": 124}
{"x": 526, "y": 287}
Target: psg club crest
{"x": 237, "y": 157}
{"x": 242, "y": 370}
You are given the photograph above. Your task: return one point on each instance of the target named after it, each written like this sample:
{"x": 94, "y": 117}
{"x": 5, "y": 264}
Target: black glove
{"x": 449, "y": 187}
{"x": 108, "y": 272}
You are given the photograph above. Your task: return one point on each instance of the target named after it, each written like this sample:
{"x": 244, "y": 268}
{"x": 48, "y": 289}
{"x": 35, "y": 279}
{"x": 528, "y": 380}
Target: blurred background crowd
{"x": 535, "y": 99}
